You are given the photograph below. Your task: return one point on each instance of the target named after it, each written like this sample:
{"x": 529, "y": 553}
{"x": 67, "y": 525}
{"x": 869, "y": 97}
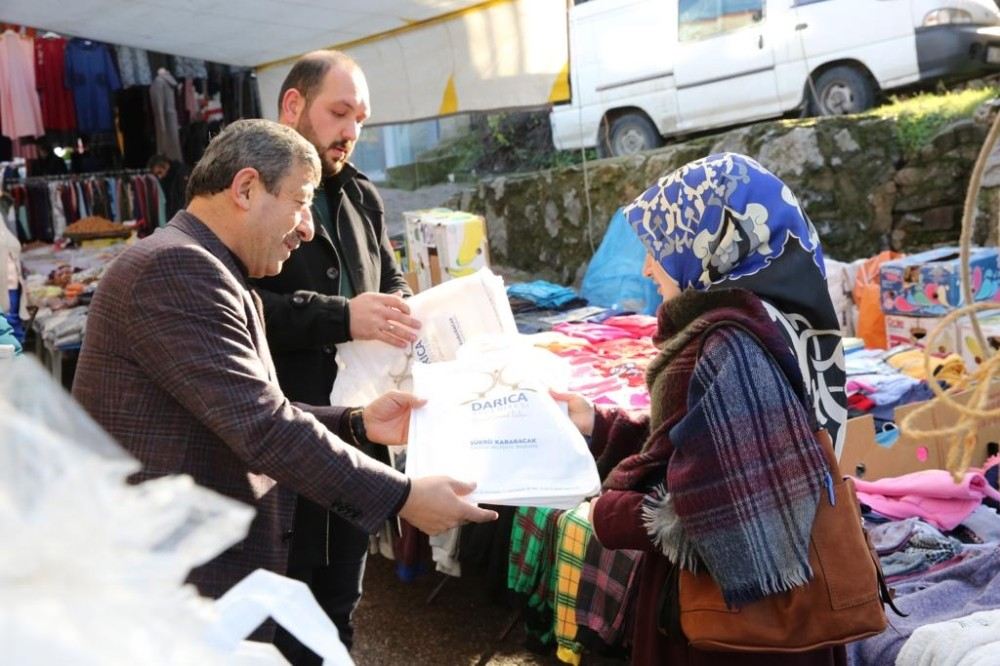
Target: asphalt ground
{"x": 460, "y": 626}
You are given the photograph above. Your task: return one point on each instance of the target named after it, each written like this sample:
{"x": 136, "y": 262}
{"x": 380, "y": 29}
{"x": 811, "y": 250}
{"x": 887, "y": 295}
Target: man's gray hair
{"x": 272, "y": 149}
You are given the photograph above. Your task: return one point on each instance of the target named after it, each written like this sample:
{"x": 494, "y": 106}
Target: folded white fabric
{"x": 963, "y": 641}
{"x": 489, "y": 418}
{"x": 451, "y": 314}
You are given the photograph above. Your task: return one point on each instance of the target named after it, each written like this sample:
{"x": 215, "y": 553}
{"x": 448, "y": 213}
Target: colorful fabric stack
{"x": 607, "y": 360}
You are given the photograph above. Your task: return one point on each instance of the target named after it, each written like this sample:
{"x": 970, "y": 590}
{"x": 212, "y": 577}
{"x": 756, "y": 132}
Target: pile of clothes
{"x": 939, "y": 545}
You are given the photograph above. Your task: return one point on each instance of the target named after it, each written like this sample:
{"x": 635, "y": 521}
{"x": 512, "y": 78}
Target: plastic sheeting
{"x": 93, "y": 569}
{"x": 614, "y": 276}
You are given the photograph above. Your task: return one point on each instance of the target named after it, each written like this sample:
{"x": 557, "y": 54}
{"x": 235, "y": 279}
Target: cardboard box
{"x": 417, "y": 245}
{"x": 968, "y": 344}
{"x": 411, "y": 279}
{"x": 442, "y": 244}
{"x": 987, "y": 431}
{"x": 916, "y": 331}
{"x": 928, "y": 284}
{"x": 864, "y": 457}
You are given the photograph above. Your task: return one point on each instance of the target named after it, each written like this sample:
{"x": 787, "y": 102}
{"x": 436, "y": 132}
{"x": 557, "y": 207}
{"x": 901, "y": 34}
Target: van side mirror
{"x": 757, "y": 15}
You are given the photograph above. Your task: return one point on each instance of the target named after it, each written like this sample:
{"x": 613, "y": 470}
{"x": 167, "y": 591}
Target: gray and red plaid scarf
{"x": 741, "y": 486}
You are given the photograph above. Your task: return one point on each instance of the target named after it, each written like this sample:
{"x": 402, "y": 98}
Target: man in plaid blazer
{"x": 176, "y": 367}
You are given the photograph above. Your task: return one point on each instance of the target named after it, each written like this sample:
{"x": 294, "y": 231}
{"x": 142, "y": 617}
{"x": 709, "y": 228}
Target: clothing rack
{"x": 45, "y": 205}
{"x": 113, "y": 173}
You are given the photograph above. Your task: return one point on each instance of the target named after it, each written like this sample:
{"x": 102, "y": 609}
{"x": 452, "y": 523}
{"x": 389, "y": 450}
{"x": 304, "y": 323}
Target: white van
{"x": 645, "y": 69}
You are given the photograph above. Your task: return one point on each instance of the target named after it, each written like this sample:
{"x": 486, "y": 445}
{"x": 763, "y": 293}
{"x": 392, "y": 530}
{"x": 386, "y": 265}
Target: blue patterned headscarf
{"x": 720, "y": 218}
{"x": 726, "y": 222}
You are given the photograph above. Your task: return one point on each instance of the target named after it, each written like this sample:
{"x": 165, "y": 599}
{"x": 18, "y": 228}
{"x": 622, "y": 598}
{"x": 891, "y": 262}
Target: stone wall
{"x": 851, "y": 175}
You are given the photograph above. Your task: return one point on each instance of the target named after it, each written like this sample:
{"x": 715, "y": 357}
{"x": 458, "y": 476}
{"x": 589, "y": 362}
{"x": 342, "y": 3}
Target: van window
{"x": 699, "y": 19}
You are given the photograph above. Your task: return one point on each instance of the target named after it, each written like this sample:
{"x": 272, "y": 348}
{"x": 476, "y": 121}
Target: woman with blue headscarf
{"x": 724, "y": 474}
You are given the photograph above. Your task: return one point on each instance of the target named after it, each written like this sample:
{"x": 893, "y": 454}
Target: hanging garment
{"x": 91, "y": 74}
{"x": 530, "y": 569}
{"x": 133, "y": 64}
{"x": 158, "y": 61}
{"x": 42, "y": 208}
{"x": 42, "y": 223}
{"x": 58, "y": 214}
{"x": 240, "y": 94}
{"x": 20, "y": 110}
{"x": 606, "y": 595}
{"x": 135, "y": 120}
{"x": 58, "y": 110}
{"x": 484, "y": 551}
{"x": 444, "y": 552}
{"x": 188, "y": 68}
{"x": 10, "y": 276}
{"x": 163, "y": 100}
{"x": 159, "y": 200}
{"x": 217, "y": 76}
{"x": 574, "y": 532}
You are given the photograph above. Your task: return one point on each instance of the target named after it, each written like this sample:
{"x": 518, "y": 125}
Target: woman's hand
{"x": 581, "y": 412}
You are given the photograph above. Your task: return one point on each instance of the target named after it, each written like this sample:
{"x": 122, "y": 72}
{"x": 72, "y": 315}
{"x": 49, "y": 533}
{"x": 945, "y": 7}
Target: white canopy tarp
{"x": 505, "y": 54}
{"x": 423, "y": 58}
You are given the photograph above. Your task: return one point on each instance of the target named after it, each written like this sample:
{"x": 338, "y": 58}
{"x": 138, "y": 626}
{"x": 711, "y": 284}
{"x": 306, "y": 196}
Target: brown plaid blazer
{"x": 175, "y": 366}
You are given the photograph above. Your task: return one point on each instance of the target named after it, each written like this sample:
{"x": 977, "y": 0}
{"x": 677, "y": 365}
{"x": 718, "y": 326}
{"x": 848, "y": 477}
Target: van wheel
{"x": 628, "y": 134}
{"x": 841, "y": 90}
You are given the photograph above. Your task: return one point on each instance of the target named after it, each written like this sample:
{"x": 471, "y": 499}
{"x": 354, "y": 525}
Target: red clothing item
{"x": 58, "y": 112}
{"x": 861, "y": 402}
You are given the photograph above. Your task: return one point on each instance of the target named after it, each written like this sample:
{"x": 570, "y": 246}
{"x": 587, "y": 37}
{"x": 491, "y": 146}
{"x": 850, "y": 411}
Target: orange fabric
{"x": 870, "y": 326}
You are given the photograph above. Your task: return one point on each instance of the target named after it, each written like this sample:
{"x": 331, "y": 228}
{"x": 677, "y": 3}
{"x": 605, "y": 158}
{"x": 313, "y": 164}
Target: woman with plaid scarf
{"x": 724, "y": 474}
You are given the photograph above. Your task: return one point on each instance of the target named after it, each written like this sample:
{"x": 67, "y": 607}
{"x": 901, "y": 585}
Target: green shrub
{"x": 918, "y": 118}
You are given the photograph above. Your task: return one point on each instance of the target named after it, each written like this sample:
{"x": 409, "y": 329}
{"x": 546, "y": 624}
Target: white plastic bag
{"x": 451, "y": 314}
{"x": 264, "y": 594}
{"x": 93, "y": 569}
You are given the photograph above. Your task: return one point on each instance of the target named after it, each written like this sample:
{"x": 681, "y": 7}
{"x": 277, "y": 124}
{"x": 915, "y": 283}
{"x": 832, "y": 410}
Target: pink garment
{"x": 854, "y": 386}
{"x": 20, "y": 110}
{"x": 607, "y": 370}
{"x": 26, "y": 149}
{"x": 640, "y": 326}
{"x": 591, "y": 332}
{"x": 931, "y": 495}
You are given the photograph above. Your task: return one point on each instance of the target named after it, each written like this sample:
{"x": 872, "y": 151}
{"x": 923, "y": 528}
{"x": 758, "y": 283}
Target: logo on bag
{"x": 506, "y": 406}
{"x": 497, "y": 403}
{"x": 487, "y": 404}
{"x": 421, "y": 352}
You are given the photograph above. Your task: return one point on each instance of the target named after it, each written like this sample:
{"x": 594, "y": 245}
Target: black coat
{"x": 304, "y": 313}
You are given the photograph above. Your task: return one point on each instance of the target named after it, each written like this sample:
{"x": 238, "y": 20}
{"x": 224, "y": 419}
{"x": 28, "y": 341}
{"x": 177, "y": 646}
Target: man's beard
{"x": 330, "y": 166}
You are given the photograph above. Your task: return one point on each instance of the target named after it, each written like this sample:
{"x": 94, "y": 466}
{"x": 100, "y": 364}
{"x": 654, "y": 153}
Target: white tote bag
{"x": 489, "y": 418}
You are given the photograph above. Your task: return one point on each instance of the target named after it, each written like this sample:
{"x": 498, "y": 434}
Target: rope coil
{"x": 972, "y": 410}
